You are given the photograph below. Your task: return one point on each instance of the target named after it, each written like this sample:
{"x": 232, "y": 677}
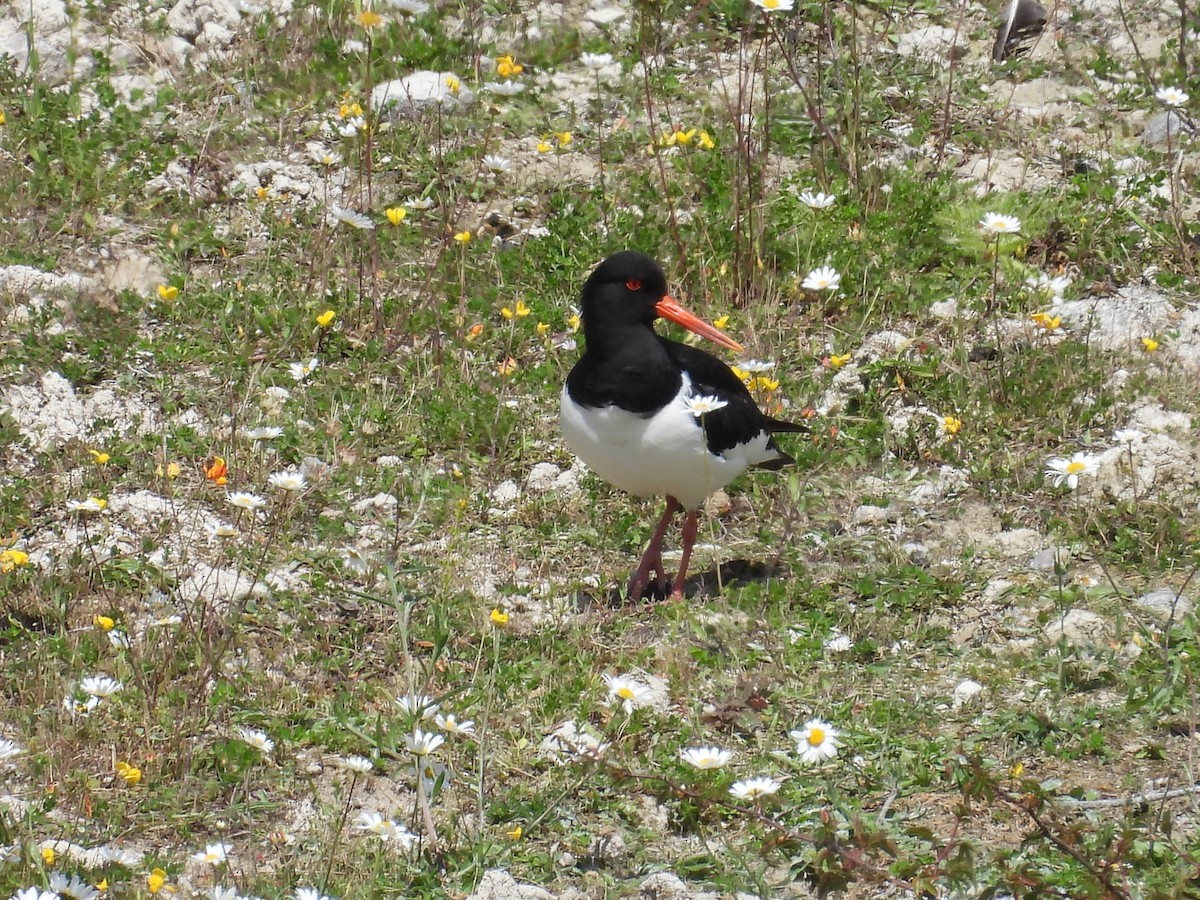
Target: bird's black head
{"x": 623, "y": 290}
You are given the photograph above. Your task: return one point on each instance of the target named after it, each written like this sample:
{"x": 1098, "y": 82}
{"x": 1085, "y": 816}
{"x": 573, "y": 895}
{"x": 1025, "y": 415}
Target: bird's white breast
{"x": 662, "y": 453}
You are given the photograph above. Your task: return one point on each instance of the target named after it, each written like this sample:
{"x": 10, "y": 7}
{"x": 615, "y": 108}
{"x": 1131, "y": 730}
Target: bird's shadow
{"x": 698, "y": 586}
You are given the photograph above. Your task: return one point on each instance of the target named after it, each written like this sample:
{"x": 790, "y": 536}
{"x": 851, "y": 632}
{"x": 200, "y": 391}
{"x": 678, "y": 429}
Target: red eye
{"x": 633, "y": 284}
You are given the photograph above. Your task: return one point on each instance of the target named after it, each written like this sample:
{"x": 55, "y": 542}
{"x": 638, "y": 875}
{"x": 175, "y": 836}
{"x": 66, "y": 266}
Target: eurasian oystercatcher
{"x": 653, "y": 416}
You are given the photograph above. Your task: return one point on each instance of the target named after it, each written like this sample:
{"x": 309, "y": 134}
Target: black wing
{"x": 740, "y": 420}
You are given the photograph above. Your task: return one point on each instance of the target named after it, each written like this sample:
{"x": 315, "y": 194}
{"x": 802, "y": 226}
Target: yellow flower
{"x": 766, "y": 384}
{"x": 453, "y": 84}
{"x": 395, "y": 214}
{"x": 564, "y": 138}
{"x": 463, "y": 237}
{"x": 167, "y": 292}
{"x": 132, "y": 775}
{"x": 11, "y": 558}
{"x": 1016, "y": 770}
{"x": 951, "y": 425}
{"x": 514, "y": 834}
{"x": 499, "y": 617}
{"x": 99, "y": 501}
{"x": 48, "y": 855}
{"x": 104, "y": 623}
{"x": 507, "y": 67}
{"x": 1150, "y": 344}
{"x": 155, "y": 881}
{"x": 507, "y": 367}
{"x": 171, "y": 471}
{"x": 721, "y": 323}
{"x": 100, "y": 457}
{"x": 742, "y": 374}
{"x": 326, "y": 318}
{"x": 262, "y": 193}
{"x": 573, "y": 321}
{"x": 543, "y": 328}
{"x": 102, "y": 885}
{"x": 704, "y": 141}
{"x": 348, "y": 110}
{"x": 368, "y": 18}
{"x": 1046, "y": 321}
{"x": 836, "y": 362}
{"x": 544, "y": 146}
{"x": 684, "y": 137}
{"x": 1, "y": 117}
{"x": 522, "y": 309}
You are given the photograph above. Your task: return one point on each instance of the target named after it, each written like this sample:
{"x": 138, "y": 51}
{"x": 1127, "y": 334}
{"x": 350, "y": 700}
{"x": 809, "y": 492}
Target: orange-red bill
{"x": 669, "y": 309}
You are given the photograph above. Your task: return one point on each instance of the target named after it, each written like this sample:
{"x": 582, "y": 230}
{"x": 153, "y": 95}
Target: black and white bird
{"x": 653, "y": 416}
{"x": 1024, "y": 21}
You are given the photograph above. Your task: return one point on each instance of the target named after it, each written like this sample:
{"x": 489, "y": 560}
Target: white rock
{"x": 935, "y": 43}
{"x": 1120, "y": 321}
{"x": 966, "y": 692}
{"x": 542, "y": 477}
{"x": 506, "y": 493}
{"x": 1166, "y": 603}
{"x": 421, "y": 90}
{"x": 1079, "y": 628}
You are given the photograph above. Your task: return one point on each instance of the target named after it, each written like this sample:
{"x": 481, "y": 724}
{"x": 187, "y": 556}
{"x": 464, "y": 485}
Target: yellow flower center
{"x": 770, "y": 4}
{"x": 1074, "y": 468}
{"x": 625, "y": 693}
{"x": 816, "y": 737}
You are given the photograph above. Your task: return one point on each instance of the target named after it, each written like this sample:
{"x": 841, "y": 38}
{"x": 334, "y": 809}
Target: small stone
{"x": 917, "y": 552}
{"x": 1169, "y": 124}
{"x": 542, "y": 477}
{"x": 966, "y": 692}
{"x": 1166, "y": 603}
{"x": 1046, "y": 560}
{"x": 1079, "y": 628}
{"x": 870, "y": 515}
{"x": 506, "y": 493}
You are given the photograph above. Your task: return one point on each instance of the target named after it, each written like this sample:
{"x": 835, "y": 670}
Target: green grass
{"x": 427, "y": 397}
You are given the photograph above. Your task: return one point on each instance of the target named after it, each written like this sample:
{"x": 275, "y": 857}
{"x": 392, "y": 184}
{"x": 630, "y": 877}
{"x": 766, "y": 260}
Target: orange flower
{"x": 216, "y": 471}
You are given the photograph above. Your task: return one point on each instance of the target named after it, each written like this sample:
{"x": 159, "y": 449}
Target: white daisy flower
{"x": 1172, "y": 96}
{"x": 348, "y": 128}
{"x": 706, "y": 757}
{"x": 101, "y": 686}
{"x": 290, "y": 480}
{"x": 310, "y": 893}
{"x": 386, "y": 829}
{"x": 322, "y": 155}
{"x": 408, "y": 7}
{"x": 91, "y": 504}
{"x": 217, "y": 892}
{"x": 1067, "y": 471}
{"x": 219, "y": 529}
{"x": 504, "y": 88}
{"x": 263, "y": 433}
{"x": 1128, "y": 435}
{"x": 74, "y": 888}
{"x": 256, "y": 739}
{"x": 755, "y": 788}
{"x": 244, "y": 500}
{"x": 631, "y": 692}
{"x": 816, "y": 741}
{"x": 301, "y": 370}
{"x": 80, "y": 707}
{"x": 595, "y": 61}
{"x": 418, "y": 705}
{"x": 838, "y": 643}
{"x": 451, "y": 725}
{"x": 360, "y": 765}
{"x": 213, "y": 854}
{"x": 699, "y": 405}
{"x": 118, "y": 639}
{"x": 351, "y": 217}
{"x": 34, "y": 893}
{"x": 756, "y": 366}
{"x": 817, "y": 200}
{"x": 9, "y": 749}
{"x": 419, "y": 203}
{"x": 770, "y": 6}
{"x": 273, "y": 399}
{"x": 497, "y": 165}
{"x": 1042, "y": 283}
{"x": 422, "y": 743}
{"x": 998, "y": 223}
{"x": 825, "y": 278}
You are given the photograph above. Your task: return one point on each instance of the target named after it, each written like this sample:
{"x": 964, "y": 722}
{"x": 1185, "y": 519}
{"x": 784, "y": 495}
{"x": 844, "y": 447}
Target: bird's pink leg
{"x": 652, "y": 558}
{"x": 690, "y": 525}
